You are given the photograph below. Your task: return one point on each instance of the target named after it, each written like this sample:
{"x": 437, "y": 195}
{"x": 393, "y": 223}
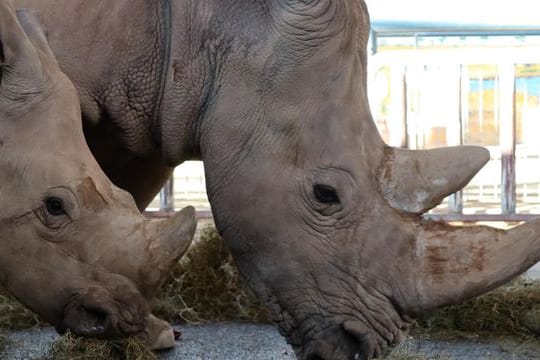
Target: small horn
{"x": 175, "y": 235}
{"x": 172, "y": 239}
{"x": 415, "y": 181}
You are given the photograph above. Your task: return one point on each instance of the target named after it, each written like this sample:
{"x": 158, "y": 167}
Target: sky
{"x": 498, "y": 12}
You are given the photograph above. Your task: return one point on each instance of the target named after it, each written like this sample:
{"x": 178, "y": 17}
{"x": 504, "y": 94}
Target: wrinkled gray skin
{"x": 73, "y": 247}
{"x": 321, "y": 216}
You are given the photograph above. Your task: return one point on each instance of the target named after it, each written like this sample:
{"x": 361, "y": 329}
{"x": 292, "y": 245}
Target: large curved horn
{"x": 415, "y": 181}
{"x": 452, "y": 264}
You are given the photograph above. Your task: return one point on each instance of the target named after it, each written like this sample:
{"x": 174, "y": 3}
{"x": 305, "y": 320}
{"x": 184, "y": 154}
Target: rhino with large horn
{"x": 73, "y": 247}
{"x": 321, "y": 216}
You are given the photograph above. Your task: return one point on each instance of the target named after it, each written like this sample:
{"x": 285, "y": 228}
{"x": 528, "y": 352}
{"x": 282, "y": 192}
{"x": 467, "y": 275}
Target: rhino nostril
{"x": 363, "y": 345}
{"x": 84, "y": 321}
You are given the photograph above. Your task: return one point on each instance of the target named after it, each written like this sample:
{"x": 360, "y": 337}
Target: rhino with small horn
{"x": 322, "y": 217}
{"x": 73, "y": 247}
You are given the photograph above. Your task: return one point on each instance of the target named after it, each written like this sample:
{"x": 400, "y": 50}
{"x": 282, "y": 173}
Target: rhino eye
{"x": 55, "y": 206}
{"x": 325, "y": 194}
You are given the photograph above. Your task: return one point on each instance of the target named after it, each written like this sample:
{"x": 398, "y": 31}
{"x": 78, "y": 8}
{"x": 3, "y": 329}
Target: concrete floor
{"x": 232, "y": 341}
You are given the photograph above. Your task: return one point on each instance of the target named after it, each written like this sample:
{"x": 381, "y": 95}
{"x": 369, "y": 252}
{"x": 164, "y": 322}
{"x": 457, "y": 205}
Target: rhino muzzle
{"x": 97, "y": 312}
{"x": 350, "y": 341}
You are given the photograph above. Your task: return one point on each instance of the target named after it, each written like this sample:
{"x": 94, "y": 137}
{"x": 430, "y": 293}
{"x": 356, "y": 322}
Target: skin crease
{"x": 321, "y": 216}
{"x": 65, "y": 224}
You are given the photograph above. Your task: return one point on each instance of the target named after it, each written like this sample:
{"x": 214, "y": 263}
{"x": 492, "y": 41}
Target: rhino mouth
{"x": 85, "y": 322}
{"x": 95, "y": 313}
{"x": 345, "y": 341}
{"x": 335, "y": 343}
{"x": 324, "y": 336}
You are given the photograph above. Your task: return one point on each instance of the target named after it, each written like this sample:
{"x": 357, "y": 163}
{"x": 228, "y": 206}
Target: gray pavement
{"x": 253, "y": 341}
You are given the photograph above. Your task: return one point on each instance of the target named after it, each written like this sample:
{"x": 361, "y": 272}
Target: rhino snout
{"x": 98, "y": 312}
{"x": 350, "y": 340}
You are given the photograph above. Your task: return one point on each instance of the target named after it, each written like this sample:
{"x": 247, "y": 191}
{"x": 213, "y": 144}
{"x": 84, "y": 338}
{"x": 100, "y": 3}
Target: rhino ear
{"x": 20, "y": 63}
{"x": 35, "y": 31}
{"x": 415, "y": 181}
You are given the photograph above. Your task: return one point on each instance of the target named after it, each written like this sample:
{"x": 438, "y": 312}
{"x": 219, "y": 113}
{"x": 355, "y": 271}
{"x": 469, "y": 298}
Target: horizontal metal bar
{"x": 482, "y": 217}
{"x": 464, "y": 32}
{"x": 207, "y": 215}
{"x": 396, "y": 28}
{"x": 201, "y": 214}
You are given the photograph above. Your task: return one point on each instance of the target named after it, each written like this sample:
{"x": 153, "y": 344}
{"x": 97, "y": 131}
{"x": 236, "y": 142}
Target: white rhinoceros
{"x": 73, "y": 247}
{"x": 321, "y": 216}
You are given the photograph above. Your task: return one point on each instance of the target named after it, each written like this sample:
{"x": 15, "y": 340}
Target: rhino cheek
{"x": 65, "y": 291}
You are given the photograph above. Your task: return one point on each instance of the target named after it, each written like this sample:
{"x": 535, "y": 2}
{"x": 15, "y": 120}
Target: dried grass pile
{"x": 71, "y": 347}
{"x": 207, "y": 287}
{"x": 14, "y": 316}
{"x": 512, "y": 310}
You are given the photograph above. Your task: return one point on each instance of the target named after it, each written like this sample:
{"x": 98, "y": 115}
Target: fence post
{"x": 455, "y": 202}
{"x": 507, "y": 134}
{"x": 166, "y": 196}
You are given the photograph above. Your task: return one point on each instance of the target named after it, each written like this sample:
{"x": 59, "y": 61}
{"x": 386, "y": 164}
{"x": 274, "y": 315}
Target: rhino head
{"x": 73, "y": 247}
{"x": 321, "y": 215}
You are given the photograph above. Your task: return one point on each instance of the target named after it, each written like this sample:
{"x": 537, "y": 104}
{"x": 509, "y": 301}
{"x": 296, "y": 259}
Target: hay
{"x": 512, "y": 310}
{"x": 71, "y": 347}
{"x": 14, "y": 316}
{"x": 207, "y": 287}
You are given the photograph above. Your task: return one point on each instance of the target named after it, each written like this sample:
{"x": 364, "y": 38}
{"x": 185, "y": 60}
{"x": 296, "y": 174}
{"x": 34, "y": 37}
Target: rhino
{"x": 322, "y": 217}
{"x": 73, "y": 247}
